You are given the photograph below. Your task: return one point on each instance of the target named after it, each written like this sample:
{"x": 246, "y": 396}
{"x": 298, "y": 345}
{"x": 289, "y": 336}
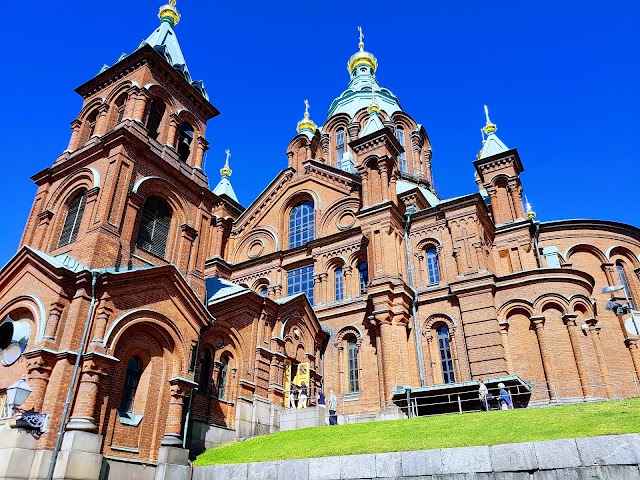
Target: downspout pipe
{"x": 411, "y": 209}
{"x": 536, "y": 234}
{"x": 203, "y": 330}
{"x": 72, "y": 386}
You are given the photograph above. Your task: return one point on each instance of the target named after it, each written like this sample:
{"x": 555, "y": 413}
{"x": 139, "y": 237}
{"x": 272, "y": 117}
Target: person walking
{"x": 333, "y": 408}
{"x": 292, "y": 395}
{"x": 483, "y": 395}
{"x": 504, "y": 398}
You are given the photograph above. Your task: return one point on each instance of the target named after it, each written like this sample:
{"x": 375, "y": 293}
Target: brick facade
{"x": 479, "y": 273}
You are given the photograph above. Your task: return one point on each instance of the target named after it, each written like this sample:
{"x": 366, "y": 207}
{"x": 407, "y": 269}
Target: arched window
{"x": 339, "y": 282}
{"x": 363, "y": 272}
{"x": 91, "y": 121}
{"x": 120, "y": 105}
{"x": 154, "y": 117}
{"x": 72, "y": 220}
{"x": 625, "y": 282}
{"x": 339, "y": 146}
{"x": 402, "y": 158}
{"x": 432, "y": 266}
{"x": 131, "y": 380}
{"x": 445, "y": 355}
{"x": 185, "y": 137}
{"x": 154, "y": 227}
{"x": 222, "y": 377}
{"x": 264, "y": 291}
{"x": 205, "y": 372}
{"x": 352, "y": 349}
{"x": 301, "y": 224}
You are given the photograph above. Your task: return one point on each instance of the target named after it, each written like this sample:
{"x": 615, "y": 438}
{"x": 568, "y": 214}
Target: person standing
{"x": 482, "y": 395}
{"x": 302, "y": 397}
{"x": 504, "y": 398}
{"x": 333, "y": 408}
{"x": 292, "y": 395}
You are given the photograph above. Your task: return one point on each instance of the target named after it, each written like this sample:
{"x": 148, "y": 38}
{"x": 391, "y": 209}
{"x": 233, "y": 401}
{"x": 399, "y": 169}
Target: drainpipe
{"x": 203, "y": 330}
{"x": 71, "y": 392}
{"x": 411, "y": 209}
{"x": 536, "y": 233}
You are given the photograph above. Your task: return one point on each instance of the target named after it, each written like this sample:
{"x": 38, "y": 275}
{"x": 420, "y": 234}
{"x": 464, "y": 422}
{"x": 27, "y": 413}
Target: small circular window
{"x": 14, "y": 337}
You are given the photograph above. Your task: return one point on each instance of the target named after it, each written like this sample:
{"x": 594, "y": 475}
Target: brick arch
{"x": 622, "y": 253}
{"x": 267, "y": 235}
{"x": 289, "y": 203}
{"x": 500, "y": 181}
{"x": 513, "y": 307}
{"x": 167, "y": 334}
{"x": 82, "y": 179}
{"x": 292, "y": 321}
{"x": 582, "y": 304}
{"x": 121, "y": 88}
{"x": 439, "y": 319}
{"x": 583, "y": 247}
{"x": 335, "y": 262}
{"x": 36, "y": 308}
{"x": 401, "y": 118}
{"x": 343, "y": 205}
{"x": 228, "y": 332}
{"x": 551, "y": 300}
{"x": 164, "y": 190}
{"x": 350, "y": 330}
{"x": 90, "y": 107}
{"x": 428, "y": 242}
{"x": 198, "y": 126}
{"x": 337, "y": 121}
{"x": 156, "y": 90}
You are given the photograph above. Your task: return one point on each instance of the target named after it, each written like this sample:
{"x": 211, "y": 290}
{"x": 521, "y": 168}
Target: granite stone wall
{"x": 605, "y": 457}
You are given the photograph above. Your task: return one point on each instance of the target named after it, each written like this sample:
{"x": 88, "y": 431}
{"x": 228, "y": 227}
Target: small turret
{"x": 306, "y": 125}
{"x": 224, "y": 185}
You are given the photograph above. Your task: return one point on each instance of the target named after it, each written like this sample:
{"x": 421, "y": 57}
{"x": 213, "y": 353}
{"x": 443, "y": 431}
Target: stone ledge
{"x": 592, "y": 457}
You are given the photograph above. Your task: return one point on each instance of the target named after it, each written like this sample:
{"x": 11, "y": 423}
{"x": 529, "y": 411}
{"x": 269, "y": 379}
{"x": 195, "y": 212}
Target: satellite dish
{"x": 14, "y": 337}
{"x": 632, "y": 325}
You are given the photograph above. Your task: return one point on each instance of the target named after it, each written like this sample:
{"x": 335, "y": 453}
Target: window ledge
{"x": 124, "y": 449}
{"x": 351, "y": 396}
{"x": 129, "y": 418}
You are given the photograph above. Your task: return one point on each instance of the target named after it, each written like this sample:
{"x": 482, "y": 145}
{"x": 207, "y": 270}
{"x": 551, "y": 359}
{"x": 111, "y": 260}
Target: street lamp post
{"x": 616, "y": 288}
{"x": 17, "y": 394}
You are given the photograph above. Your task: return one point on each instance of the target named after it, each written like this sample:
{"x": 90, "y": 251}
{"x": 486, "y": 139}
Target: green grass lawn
{"x": 444, "y": 431}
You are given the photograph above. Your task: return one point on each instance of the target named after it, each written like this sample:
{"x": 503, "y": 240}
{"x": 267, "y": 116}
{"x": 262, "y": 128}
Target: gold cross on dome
{"x": 228, "y": 152}
{"x": 306, "y": 106}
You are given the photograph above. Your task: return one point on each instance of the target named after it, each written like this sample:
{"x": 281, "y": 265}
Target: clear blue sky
{"x": 561, "y": 80}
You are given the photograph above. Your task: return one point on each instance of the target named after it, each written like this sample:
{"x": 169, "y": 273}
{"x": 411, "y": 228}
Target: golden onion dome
{"x": 226, "y": 171}
{"x": 306, "y": 123}
{"x": 169, "y": 13}
{"x": 362, "y": 57}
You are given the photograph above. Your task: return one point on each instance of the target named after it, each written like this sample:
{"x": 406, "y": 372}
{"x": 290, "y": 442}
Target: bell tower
{"x": 129, "y": 191}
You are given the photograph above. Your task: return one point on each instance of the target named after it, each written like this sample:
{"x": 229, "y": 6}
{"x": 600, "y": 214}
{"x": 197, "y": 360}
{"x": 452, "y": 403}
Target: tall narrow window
{"x": 445, "y": 355}
{"x": 339, "y": 146}
{"x": 339, "y": 281}
{"x": 154, "y": 227}
{"x": 301, "y": 280}
{"x": 72, "y": 220}
{"x": 222, "y": 377}
{"x": 131, "y": 380}
{"x": 120, "y": 105}
{"x": 432, "y": 266}
{"x": 154, "y": 117}
{"x": 301, "y": 224}
{"x": 625, "y": 283}
{"x": 205, "y": 372}
{"x": 363, "y": 272}
{"x": 352, "y": 348}
{"x": 92, "y": 118}
{"x": 184, "y": 141}
{"x": 402, "y": 158}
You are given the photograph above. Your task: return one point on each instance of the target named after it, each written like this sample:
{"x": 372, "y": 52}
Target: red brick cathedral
{"x": 148, "y": 313}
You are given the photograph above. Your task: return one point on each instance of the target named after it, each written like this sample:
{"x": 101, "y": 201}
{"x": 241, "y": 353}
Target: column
{"x": 631, "y": 343}
{"x": 75, "y": 133}
{"x": 318, "y": 297}
{"x": 387, "y": 347}
{"x": 39, "y": 366}
{"x": 130, "y": 104}
{"x": 602, "y": 362}
{"x": 569, "y": 320}
{"x": 52, "y": 322}
{"x": 504, "y": 335}
{"x": 495, "y": 208}
{"x": 516, "y": 200}
{"x": 341, "y": 376}
{"x": 84, "y": 405}
{"x": 609, "y": 271}
{"x": 179, "y": 389}
{"x": 140, "y": 106}
{"x": 347, "y": 272}
{"x": 174, "y": 122}
{"x": 538, "y": 325}
{"x": 384, "y": 179}
{"x": 201, "y": 146}
{"x": 102, "y": 319}
{"x": 102, "y": 121}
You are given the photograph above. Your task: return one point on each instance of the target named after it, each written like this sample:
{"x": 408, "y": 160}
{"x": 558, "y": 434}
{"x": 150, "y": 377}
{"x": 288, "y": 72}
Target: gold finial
{"x": 306, "y": 123}
{"x": 489, "y": 128}
{"x": 361, "y": 44}
{"x": 224, "y": 171}
{"x": 529, "y": 213}
{"x": 169, "y": 13}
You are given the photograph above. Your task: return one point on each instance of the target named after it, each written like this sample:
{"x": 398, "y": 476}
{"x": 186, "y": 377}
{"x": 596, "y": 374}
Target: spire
{"x": 529, "y": 213}
{"x": 306, "y": 125}
{"x": 491, "y": 145}
{"x": 224, "y": 185}
{"x": 169, "y": 13}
